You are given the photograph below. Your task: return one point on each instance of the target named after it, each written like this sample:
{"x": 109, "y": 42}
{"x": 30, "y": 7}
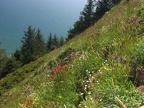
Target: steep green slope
{"x": 100, "y": 68}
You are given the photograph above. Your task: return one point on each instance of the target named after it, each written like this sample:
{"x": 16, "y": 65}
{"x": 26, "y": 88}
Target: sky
{"x": 50, "y": 16}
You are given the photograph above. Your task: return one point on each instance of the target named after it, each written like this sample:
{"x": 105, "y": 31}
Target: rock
{"x": 141, "y": 107}
{"x": 141, "y": 90}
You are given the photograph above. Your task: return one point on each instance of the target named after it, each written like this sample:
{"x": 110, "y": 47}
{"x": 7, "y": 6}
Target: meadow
{"x": 103, "y": 67}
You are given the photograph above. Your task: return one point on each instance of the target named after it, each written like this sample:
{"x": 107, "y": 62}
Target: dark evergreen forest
{"x": 92, "y": 12}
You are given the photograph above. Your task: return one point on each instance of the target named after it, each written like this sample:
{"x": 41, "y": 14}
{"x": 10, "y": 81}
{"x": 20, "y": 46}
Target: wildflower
{"x": 54, "y": 70}
{"x": 90, "y": 80}
{"x": 59, "y": 97}
{"x": 86, "y": 85}
{"x": 65, "y": 67}
{"x": 92, "y": 72}
{"x": 59, "y": 68}
{"x": 30, "y": 99}
{"x": 85, "y": 88}
{"x": 87, "y": 71}
{"x": 81, "y": 94}
{"x": 93, "y": 77}
{"x": 80, "y": 104}
{"x": 51, "y": 76}
{"x": 28, "y": 102}
{"x": 100, "y": 100}
{"x": 90, "y": 75}
{"x": 61, "y": 81}
{"x": 23, "y": 105}
{"x": 92, "y": 85}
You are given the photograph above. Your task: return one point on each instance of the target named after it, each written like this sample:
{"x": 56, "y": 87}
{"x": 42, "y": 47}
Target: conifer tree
{"x": 9, "y": 67}
{"x": 79, "y": 25}
{"x": 85, "y": 20}
{"x": 78, "y": 28}
{"x": 40, "y": 46}
{"x": 71, "y": 33}
{"x": 28, "y": 45}
{"x": 87, "y": 13}
{"x": 3, "y": 59}
{"x": 61, "y": 41}
{"x": 49, "y": 42}
{"x": 115, "y": 1}
{"x": 102, "y": 6}
{"x": 55, "y": 42}
{"x": 3, "y": 55}
{"x": 17, "y": 55}
{"x": 93, "y": 11}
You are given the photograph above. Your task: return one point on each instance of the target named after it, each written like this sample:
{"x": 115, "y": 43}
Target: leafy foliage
{"x": 137, "y": 62}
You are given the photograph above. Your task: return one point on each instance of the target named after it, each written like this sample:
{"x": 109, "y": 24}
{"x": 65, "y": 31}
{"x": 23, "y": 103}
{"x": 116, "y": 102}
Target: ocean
{"x": 50, "y": 16}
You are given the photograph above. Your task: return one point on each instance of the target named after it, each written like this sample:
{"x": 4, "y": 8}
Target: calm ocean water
{"x": 51, "y": 16}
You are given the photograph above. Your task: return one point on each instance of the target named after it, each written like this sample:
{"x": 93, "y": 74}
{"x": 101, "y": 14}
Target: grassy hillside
{"x": 103, "y": 67}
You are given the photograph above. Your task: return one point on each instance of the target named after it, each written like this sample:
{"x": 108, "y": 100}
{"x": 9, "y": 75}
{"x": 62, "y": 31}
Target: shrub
{"x": 137, "y": 63}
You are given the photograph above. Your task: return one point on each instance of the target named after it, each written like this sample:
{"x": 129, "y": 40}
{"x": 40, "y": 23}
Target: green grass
{"x": 105, "y": 64}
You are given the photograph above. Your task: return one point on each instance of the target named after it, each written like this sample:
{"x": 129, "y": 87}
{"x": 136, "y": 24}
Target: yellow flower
{"x": 79, "y": 104}
{"x": 60, "y": 97}
{"x": 61, "y": 81}
{"x": 92, "y": 85}
{"x": 100, "y": 100}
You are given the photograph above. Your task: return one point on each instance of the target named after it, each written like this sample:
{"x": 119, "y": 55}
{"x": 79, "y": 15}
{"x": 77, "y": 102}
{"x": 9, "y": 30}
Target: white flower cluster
{"x": 87, "y": 85}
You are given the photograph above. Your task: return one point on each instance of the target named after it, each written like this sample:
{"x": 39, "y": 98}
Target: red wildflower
{"x": 30, "y": 99}
{"x": 28, "y": 102}
{"x": 65, "y": 67}
{"x": 54, "y": 70}
{"x": 23, "y": 105}
{"x": 59, "y": 68}
{"x": 51, "y": 76}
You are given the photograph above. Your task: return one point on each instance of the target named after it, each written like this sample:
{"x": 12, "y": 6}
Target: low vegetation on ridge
{"x": 103, "y": 67}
